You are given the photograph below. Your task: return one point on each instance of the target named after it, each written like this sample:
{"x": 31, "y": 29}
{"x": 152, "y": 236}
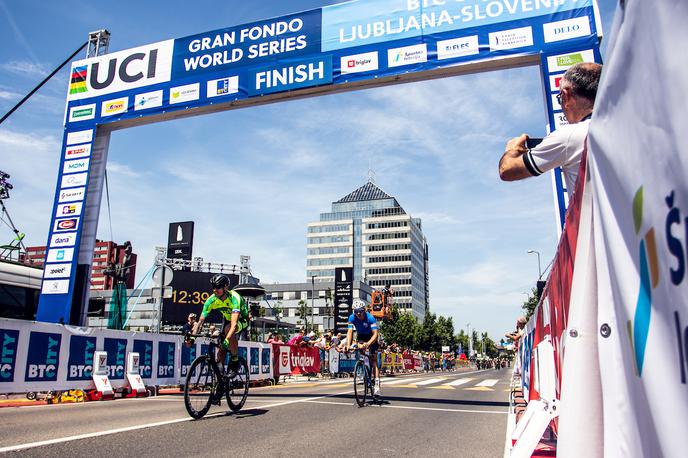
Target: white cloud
{"x": 122, "y": 169}
{"x": 23, "y": 67}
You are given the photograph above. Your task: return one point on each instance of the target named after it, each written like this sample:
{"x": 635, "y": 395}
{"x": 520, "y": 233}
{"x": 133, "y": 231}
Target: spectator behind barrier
{"x": 297, "y": 339}
{"x": 564, "y": 146}
{"x": 187, "y": 329}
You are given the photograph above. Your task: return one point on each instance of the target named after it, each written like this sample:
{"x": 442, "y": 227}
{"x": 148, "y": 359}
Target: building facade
{"x": 104, "y": 254}
{"x": 369, "y": 231}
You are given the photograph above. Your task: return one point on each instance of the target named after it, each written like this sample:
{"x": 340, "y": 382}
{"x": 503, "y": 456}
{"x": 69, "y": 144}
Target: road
{"x": 442, "y": 414}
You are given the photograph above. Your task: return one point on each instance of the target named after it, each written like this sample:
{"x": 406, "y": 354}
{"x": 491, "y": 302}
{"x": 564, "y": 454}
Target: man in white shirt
{"x": 563, "y": 147}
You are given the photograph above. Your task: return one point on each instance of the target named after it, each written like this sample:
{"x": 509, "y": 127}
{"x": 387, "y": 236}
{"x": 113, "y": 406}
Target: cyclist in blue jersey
{"x": 367, "y": 336}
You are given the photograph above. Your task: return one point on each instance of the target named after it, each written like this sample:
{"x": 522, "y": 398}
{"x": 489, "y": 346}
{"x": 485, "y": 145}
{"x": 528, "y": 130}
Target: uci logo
{"x": 128, "y": 69}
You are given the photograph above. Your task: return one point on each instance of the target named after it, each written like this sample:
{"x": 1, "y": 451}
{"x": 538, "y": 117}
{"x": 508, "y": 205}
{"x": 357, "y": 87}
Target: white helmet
{"x": 358, "y": 305}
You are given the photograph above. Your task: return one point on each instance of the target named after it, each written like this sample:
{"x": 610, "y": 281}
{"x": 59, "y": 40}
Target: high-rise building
{"x": 369, "y": 231}
{"x": 104, "y": 254}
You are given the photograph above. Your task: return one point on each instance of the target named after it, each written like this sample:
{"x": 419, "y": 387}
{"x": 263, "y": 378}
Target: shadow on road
{"x": 461, "y": 402}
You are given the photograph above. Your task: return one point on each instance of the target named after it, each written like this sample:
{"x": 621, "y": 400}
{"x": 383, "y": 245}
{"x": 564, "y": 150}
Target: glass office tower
{"x": 369, "y": 231}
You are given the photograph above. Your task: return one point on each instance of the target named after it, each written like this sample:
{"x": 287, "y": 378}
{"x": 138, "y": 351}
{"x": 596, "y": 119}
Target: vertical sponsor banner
{"x": 343, "y": 296}
{"x": 254, "y": 361}
{"x": 9, "y": 340}
{"x": 79, "y": 364}
{"x": 188, "y": 355}
{"x": 165, "y": 367}
{"x": 145, "y": 350}
{"x": 266, "y": 360}
{"x": 640, "y": 199}
{"x": 116, "y": 356}
{"x": 43, "y": 361}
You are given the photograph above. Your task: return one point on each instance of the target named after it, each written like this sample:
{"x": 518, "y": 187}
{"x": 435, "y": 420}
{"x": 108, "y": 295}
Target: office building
{"x": 369, "y": 231}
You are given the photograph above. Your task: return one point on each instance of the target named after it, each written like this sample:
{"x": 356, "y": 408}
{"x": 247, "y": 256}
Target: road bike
{"x": 207, "y": 382}
{"x": 364, "y": 381}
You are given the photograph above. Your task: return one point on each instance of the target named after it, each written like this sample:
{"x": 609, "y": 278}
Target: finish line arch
{"x": 343, "y": 47}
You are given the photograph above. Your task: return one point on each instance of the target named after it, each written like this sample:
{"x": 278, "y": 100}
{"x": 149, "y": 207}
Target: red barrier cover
{"x": 294, "y": 359}
{"x": 408, "y": 362}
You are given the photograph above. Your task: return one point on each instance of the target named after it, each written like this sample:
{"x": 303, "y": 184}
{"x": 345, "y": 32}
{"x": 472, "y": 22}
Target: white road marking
{"x": 488, "y": 382}
{"x": 403, "y": 380}
{"x": 458, "y": 382}
{"x": 412, "y": 407}
{"x": 429, "y": 382}
{"x": 59, "y": 440}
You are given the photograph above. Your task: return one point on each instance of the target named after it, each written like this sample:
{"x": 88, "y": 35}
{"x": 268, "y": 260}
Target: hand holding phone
{"x": 532, "y": 142}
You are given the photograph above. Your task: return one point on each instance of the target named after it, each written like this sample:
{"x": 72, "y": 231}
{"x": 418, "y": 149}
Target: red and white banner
{"x": 616, "y": 305}
{"x": 294, "y": 359}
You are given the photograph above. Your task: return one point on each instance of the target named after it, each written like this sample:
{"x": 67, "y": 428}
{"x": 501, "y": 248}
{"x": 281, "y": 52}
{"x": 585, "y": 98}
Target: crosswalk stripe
{"x": 403, "y": 380}
{"x": 489, "y": 382}
{"x": 430, "y": 382}
{"x": 442, "y": 387}
{"x": 405, "y": 386}
{"x": 458, "y": 382}
{"x": 478, "y": 388}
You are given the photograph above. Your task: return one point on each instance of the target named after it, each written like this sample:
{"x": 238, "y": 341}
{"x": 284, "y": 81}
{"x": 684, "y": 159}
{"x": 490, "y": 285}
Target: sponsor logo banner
{"x": 166, "y": 351}
{"x": 64, "y": 225}
{"x": 555, "y": 103}
{"x": 79, "y": 165}
{"x": 55, "y": 287}
{"x": 80, "y": 362}
{"x": 284, "y": 77}
{"x": 43, "y": 359}
{"x": 223, "y": 86}
{"x": 145, "y": 350}
{"x": 357, "y": 63}
{"x": 8, "y": 354}
{"x": 254, "y": 360}
{"x": 351, "y": 24}
{"x": 120, "y": 71}
{"x": 563, "y": 61}
{"x": 407, "y": 55}
{"x": 116, "y": 353}
{"x": 72, "y": 195}
{"x": 265, "y": 360}
{"x": 77, "y": 179}
{"x": 258, "y": 43}
{"x": 60, "y": 254}
{"x": 57, "y": 271}
{"x": 82, "y": 136}
{"x": 115, "y": 106}
{"x": 555, "y": 82}
{"x": 70, "y": 209}
{"x": 74, "y": 152}
{"x": 148, "y": 100}
{"x": 511, "y": 39}
{"x": 565, "y": 30}
{"x": 185, "y": 93}
{"x": 559, "y": 120}
{"x": 82, "y": 113}
{"x": 60, "y": 240}
{"x": 458, "y": 47}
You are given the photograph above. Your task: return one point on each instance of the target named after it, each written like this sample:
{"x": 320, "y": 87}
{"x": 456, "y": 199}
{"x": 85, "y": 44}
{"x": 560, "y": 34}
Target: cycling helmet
{"x": 358, "y": 305}
{"x": 219, "y": 281}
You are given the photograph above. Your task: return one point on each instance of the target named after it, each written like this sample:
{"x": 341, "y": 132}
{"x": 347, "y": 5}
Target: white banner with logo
{"x": 639, "y": 169}
{"x": 43, "y": 356}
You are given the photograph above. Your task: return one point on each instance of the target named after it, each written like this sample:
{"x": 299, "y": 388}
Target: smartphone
{"x": 532, "y": 142}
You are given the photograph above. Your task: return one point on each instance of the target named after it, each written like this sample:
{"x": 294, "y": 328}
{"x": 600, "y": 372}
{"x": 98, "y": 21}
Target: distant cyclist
{"x": 367, "y": 336}
{"x": 235, "y": 310}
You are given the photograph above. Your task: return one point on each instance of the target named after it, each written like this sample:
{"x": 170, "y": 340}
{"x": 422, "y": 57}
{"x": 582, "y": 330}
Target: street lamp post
{"x": 538, "y": 256}
{"x": 312, "y": 300}
{"x": 470, "y": 341}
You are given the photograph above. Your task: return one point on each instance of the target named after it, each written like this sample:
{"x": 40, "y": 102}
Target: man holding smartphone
{"x": 524, "y": 157}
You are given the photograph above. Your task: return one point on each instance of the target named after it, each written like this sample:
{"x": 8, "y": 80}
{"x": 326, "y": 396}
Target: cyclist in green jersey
{"x": 235, "y": 310}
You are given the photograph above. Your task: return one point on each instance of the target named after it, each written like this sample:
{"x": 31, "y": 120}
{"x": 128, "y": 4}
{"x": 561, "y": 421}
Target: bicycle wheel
{"x": 201, "y": 383}
{"x": 237, "y": 387}
{"x": 360, "y": 383}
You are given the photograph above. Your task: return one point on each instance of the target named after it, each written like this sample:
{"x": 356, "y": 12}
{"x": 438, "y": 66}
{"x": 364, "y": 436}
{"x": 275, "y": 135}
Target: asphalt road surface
{"x": 441, "y": 414}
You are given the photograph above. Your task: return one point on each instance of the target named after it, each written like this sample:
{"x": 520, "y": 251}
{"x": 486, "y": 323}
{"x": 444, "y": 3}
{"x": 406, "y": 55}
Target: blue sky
{"x": 253, "y": 178}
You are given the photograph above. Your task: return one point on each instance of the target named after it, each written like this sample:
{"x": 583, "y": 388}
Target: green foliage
{"x": 531, "y": 303}
{"x": 304, "y": 311}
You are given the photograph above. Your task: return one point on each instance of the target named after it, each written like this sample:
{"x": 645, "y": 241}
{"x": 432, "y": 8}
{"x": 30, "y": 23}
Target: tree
{"x": 401, "y": 328}
{"x": 531, "y": 303}
{"x": 303, "y": 311}
{"x": 462, "y": 340}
